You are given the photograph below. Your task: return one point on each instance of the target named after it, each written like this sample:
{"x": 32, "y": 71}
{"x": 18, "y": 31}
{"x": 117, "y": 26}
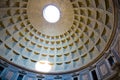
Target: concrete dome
{"x": 81, "y": 36}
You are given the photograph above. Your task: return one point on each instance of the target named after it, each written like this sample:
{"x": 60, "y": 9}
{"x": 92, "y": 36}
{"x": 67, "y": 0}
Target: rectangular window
{"x": 1, "y": 69}
{"x": 94, "y": 75}
{"x": 75, "y": 78}
{"x": 110, "y": 60}
{"x": 20, "y": 77}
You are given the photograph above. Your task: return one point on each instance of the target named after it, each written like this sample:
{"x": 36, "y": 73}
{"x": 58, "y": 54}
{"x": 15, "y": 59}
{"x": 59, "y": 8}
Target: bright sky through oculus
{"x": 51, "y": 14}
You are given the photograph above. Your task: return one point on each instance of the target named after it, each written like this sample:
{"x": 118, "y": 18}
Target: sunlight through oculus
{"x": 43, "y": 66}
{"x": 51, "y": 14}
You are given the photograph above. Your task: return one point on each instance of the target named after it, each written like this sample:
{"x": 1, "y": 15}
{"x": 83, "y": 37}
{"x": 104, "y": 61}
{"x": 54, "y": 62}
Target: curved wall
{"x": 91, "y": 26}
{"x": 106, "y": 67}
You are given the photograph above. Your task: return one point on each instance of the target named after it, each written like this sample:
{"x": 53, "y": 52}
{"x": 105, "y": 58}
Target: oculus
{"x": 51, "y": 14}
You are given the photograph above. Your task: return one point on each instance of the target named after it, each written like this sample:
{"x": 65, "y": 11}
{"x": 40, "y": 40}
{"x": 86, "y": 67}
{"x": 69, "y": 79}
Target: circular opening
{"x": 51, "y": 14}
